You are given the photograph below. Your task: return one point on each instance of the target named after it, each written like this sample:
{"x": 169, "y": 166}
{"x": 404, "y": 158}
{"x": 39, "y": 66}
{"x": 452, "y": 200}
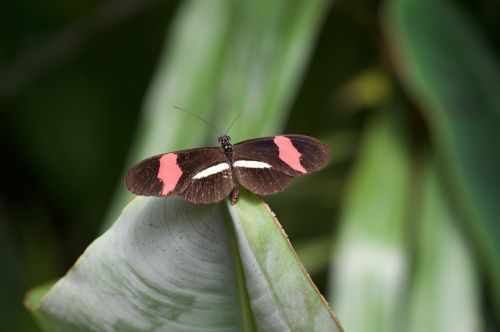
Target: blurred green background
{"x": 401, "y": 232}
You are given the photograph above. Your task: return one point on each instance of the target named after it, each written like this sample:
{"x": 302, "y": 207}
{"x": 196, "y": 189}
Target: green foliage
{"x": 371, "y": 250}
{"x": 445, "y": 272}
{"x": 170, "y": 265}
{"x": 451, "y": 73}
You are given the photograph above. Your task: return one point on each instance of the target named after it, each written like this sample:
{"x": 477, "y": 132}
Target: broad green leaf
{"x": 282, "y": 294}
{"x": 444, "y": 294}
{"x": 224, "y": 57}
{"x": 451, "y": 73}
{"x": 164, "y": 264}
{"x": 369, "y": 267}
{"x": 168, "y": 265}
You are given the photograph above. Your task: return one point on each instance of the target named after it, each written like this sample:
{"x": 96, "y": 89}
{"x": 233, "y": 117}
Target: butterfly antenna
{"x": 199, "y": 118}
{"x": 232, "y": 122}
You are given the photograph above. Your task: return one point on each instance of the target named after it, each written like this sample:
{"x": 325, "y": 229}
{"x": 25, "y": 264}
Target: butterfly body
{"x": 265, "y": 166}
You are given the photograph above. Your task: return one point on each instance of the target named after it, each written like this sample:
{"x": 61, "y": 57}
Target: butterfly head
{"x": 224, "y": 141}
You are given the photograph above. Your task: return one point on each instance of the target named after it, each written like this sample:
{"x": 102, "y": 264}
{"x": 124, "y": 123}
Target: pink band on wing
{"x": 288, "y": 153}
{"x": 169, "y": 172}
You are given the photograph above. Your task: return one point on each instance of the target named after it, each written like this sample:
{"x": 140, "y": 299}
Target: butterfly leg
{"x": 235, "y": 193}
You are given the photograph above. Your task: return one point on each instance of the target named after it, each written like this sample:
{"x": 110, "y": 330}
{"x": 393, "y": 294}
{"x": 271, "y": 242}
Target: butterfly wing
{"x": 266, "y": 165}
{"x": 199, "y": 175}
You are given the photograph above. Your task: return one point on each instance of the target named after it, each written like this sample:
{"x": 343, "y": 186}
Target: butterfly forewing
{"x": 267, "y": 165}
{"x": 142, "y": 179}
{"x": 290, "y": 154}
{"x": 314, "y": 154}
{"x": 199, "y": 175}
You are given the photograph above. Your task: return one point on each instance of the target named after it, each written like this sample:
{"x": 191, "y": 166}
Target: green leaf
{"x": 445, "y": 273}
{"x": 224, "y": 57}
{"x": 163, "y": 264}
{"x": 369, "y": 267}
{"x": 283, "y": 295}
{"x": 448, "y": 69}
{"x": 168, "y": 265}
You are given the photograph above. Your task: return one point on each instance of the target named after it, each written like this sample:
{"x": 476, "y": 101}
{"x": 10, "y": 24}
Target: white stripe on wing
{"x": 251, "y": 164}
{"x": 211, "y": 170}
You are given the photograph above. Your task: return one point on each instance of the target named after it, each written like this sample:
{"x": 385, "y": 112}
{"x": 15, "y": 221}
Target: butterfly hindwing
{"x": 199, "y": 175}
{"x": 262, "y": 181}
{"x": 267, "y": 165}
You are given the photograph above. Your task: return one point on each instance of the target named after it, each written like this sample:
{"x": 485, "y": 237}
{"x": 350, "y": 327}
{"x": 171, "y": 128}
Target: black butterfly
{"x": 265, "y": 166}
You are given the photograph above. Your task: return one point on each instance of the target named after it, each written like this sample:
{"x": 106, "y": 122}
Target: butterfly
{"x": 265, "y": 166}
